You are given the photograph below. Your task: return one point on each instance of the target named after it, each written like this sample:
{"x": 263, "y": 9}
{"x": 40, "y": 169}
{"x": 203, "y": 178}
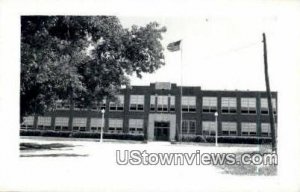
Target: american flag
{"x": 174, "y": 46}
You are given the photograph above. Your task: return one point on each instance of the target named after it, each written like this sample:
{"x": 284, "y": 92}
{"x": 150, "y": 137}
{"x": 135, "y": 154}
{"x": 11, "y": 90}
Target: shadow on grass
{"x": 55, "y": 155}
{"x": 35, "y": 146}
{"x": 252, "y": 169}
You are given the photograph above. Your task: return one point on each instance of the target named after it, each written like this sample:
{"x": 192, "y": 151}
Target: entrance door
{"x": 161, "y": 130}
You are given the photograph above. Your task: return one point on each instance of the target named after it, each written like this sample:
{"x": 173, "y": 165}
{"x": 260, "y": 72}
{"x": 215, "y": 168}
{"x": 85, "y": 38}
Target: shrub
{"x": 30, "y": 133}
{"x": 55, "y": 134}
{"x": 85, "y": 135}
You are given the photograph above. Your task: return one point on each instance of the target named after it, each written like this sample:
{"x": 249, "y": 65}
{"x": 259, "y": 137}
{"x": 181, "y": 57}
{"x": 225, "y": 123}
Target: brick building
{"x": 154, "y": 112}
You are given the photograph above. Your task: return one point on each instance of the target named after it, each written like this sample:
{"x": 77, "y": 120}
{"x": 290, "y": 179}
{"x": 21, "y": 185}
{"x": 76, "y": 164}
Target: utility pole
{"x": 269, "y": 95}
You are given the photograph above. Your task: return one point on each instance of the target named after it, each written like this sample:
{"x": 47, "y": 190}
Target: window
{"x": 115, "y": 126}
{"x": 188, "y": 104}
{"x": 28, "y": 122}
{"x": 229, "y": 128}
{"x": 265, "y": 129}
{"x": 209, "y": 128}
{"x": 228, "y": 105}
{"x": 79, "y": 124}
{"x": 61, "y": 124}
{"x": 96, "y": 124}
{"x": 136, "y": 103}
{"x": 118, "y": 105}
{"x": 152, "y": 103}
{"x": 188, "y": 126}
{"x": 162, "y": 103}
{"x": 248, "y": 106}
{"x": 209, "y": 104}
{"x": 62, "y": 105}
{"x": 136, "y": 126}
{"x": 44, "y": 123}
{"x": 98, "y": 106}
{"x": 172, "y": 103}
{"x": 249, "y": 129}
{"x": 264, "y": 110}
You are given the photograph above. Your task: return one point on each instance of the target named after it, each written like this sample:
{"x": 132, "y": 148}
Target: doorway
{"x": 161, "y": 130}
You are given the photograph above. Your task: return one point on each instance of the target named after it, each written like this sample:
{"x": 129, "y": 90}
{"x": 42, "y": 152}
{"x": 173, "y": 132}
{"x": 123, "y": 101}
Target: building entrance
{"x": 161, "y": 130}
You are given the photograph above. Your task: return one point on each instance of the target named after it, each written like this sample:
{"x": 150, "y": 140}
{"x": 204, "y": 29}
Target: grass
{"x": 252, "y": 169}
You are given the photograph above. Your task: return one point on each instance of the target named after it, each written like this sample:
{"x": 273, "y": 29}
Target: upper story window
{"x": 209, "y": 128}
{"x": 162, "y": 103}
{"x": 249, "y": 129}
{"x": 229, "y": 128}
{"x": 248, "y": 105}
{"x": 117, "y": 105}
{"x": 136, "y": 103}
{"x": 188, "y": 104}
{"x": 98, "y": 106}
{"x": 228, "y": 105}
{"x": 264, "y": 106}
{"x": 152, "y": 103}
{"x": 115, "y": 126}
{"x": 172, "y": 103}
{"x": 188, "y": 126}
{"x": 209, "y": 104}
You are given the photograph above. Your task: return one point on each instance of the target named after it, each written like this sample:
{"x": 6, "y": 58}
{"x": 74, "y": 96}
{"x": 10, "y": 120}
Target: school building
{"x": 165, "y": 112}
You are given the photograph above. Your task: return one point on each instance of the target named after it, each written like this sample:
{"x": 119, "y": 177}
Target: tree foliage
{"x": 82, "y": 58}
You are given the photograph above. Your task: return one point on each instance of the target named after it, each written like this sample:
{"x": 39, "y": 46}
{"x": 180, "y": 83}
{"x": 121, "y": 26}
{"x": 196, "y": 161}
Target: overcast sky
{"x": 218, "y": 52}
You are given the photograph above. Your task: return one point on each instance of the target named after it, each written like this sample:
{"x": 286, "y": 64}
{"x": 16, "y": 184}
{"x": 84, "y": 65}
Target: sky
{"x": 217, "y": 52}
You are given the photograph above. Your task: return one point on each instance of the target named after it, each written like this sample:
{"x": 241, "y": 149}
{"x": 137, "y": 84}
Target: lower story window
{"x": 209, "y": 128}
{"x": 27, "y": 122}
{"x": 229, "y": 128}
{"x": 79, "y": 124}
{"x": 115, "y": 126}
{"x": 61, "y": 124}
{"x": 188, "y": 126}
{"x": 249, "y": 129}
{"x": 96, "y": 124}
{"x": 136, "y": 126}
{"x": 265, "y": 129}
{"x": 44, "y": 123}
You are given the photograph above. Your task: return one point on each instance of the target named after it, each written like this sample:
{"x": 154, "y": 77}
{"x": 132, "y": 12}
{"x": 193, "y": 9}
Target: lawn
{"x": 88, "y": 165}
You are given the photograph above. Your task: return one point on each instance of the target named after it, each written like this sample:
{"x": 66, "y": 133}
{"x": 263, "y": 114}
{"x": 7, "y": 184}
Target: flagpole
{"x": 181, "y": 50}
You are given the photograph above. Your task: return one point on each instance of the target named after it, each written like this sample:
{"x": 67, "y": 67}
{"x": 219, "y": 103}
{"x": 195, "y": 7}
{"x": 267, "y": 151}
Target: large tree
{"x": 82, "y": 58}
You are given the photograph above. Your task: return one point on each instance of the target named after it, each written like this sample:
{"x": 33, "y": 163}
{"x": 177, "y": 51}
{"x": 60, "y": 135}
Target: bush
{"x": 124, "y": 137}
{"x": 240, "y": 140}
{"x": 30, "y": 133}
{"x": 85, "y": 135}
{"x": 55, "y": 134}
{"x": 107, "y": 136}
